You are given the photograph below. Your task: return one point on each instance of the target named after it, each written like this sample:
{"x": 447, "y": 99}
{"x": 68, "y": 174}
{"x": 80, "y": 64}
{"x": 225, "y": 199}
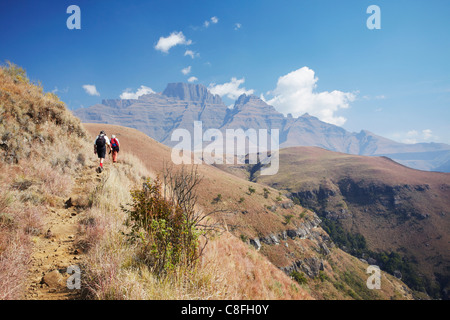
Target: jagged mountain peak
{"x": 191, "y": 92}
{"x": 308, "y": 116}
{"x": 180, "y": 104}
{"x": 255, "y": 103}
{"x": 244, "y": 98}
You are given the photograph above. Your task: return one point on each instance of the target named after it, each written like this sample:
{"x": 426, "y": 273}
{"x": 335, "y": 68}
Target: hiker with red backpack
{"x": 115, "y": 146}
{"x": 100, "y": 144}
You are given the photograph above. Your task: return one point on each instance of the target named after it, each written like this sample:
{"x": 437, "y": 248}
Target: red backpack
{"x": 114, "y": 143}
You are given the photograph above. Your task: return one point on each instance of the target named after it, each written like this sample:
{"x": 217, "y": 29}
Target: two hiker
{"x": 101, "y": 142}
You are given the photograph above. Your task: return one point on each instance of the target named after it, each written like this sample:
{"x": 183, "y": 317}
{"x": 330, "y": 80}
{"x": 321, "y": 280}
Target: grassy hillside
{"x": 57, "y": 213}
{"x": 38, "y": 136}
{"x": 374, "y": 207}
{"x": 256, "y": 212}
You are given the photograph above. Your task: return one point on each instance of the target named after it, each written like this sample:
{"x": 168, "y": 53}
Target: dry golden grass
{"x": 239, "y": 270}
{"x": 228, "y": 270}
{"x": 37, "y": 164}
{"x": 249, "y": 274}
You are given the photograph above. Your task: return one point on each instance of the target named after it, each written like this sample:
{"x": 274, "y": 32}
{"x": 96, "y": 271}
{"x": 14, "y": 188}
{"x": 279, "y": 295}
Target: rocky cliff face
{"x": 309, "y": 230}
{"x": 191, "y": 92}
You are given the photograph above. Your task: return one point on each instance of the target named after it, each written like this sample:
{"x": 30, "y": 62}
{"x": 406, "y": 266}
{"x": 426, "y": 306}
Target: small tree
{"x": 163, "y": 219}
{"x": 161, "y": 228}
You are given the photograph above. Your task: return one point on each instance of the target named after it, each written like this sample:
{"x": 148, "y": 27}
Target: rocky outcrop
{"x": 310, "y": 266}
{"x": 303, "y": 231}
{"x": 310, "y": 230}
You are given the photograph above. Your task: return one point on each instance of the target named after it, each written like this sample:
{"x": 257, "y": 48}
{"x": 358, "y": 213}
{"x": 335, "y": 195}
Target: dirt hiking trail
{"x": 56, "y": 249}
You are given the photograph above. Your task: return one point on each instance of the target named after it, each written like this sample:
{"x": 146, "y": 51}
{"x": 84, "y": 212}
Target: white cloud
{"x": 191, "y": 54}
{"x": 175, "y": 38}
{"x": 186, "y": 70}
{"x": 237, "y": 26}
{"x": 295, "y": 93}
{"x": 91, "y": 90}
{"x": 230, "y": 89}
{"x": 427, "y": 134}
{"x": 128, "y": 94}
{"x": 261, "y": 96}
{"x": 367, "y": 97}
{"x": 56, "y": 90}
{"x": 415, "y": 136}
{"x": 192, "y": 79}
{"x": 213, "y": 20}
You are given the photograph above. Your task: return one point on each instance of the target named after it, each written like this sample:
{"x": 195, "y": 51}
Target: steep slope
{"x": 288, "y": 235}
{"x": 180, "y": 104}
{"x": 39, "y": 171}
{"x": 394, "y": 209}
{"x": 56, "y": 212}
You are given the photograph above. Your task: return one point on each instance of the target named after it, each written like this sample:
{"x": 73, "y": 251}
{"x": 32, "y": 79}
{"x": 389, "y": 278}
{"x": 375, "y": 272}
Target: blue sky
{"x": 301, "y": 56}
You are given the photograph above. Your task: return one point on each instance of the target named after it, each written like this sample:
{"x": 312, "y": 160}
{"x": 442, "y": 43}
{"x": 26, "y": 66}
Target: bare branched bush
{"x": 166, "y": 221}
{"x": 181, "y": 186}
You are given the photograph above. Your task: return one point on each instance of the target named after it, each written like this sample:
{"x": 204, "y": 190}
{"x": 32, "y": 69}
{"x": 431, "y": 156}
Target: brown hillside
{"x": 263, "y": 218}
{"x": 42, "y": 151}
{"x": 394, "y": 207}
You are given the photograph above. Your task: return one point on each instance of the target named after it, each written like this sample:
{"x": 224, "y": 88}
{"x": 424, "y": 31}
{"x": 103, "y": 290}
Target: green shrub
{"x": 299, "y": 277}
{"x": 288, "y": 218}
{"x": 166, "y": 235}
{"x": 302, "y": 215}
{"x": 244, "y": 238}
{"x": 323, "y": 276}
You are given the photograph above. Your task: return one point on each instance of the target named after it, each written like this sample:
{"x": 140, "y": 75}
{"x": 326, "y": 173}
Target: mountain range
{"x": 180, "y": 104}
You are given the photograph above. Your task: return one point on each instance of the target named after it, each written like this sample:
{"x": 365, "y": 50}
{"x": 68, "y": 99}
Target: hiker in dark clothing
{"x": 100, "y": 144}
